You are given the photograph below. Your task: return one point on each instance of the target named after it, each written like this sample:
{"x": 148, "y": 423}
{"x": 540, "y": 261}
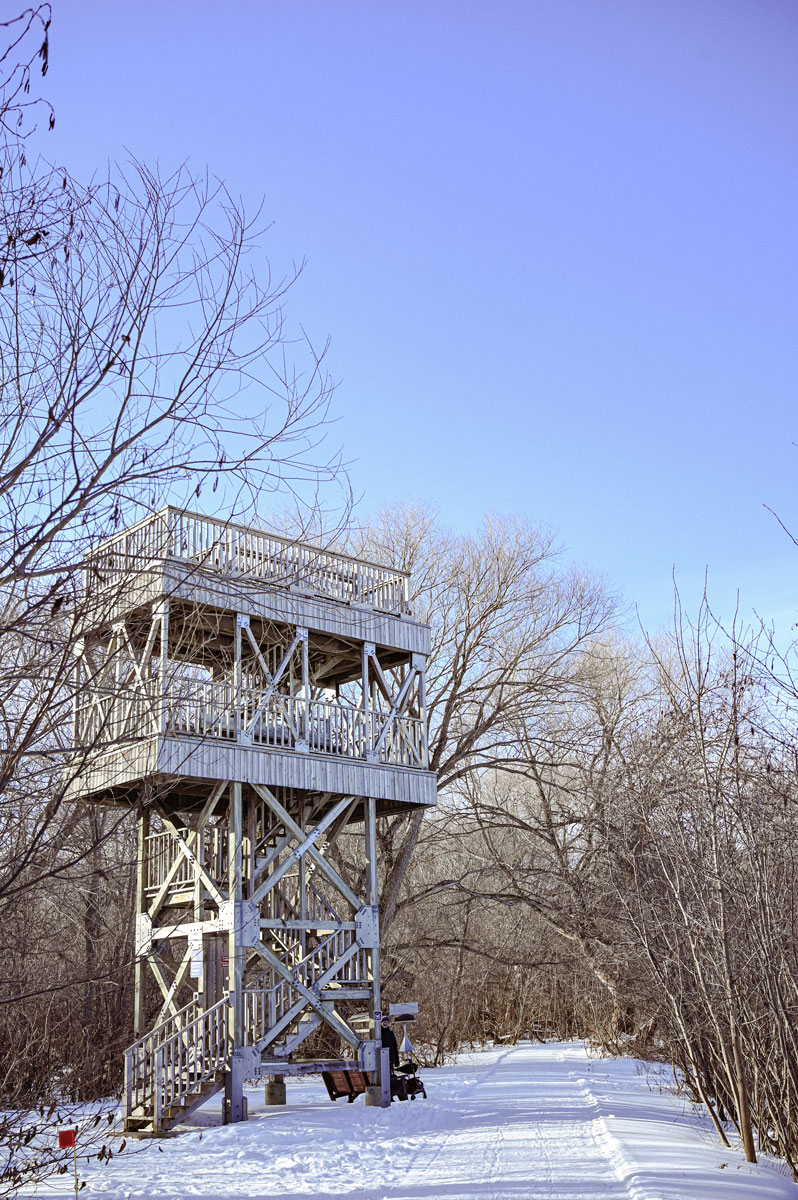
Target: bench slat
{"x": 344, "y": 1083}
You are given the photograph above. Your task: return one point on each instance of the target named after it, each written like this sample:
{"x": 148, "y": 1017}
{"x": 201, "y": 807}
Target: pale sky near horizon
{"x": 555, "y": 245}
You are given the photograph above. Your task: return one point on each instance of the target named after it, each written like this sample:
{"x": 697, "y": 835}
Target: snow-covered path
{"x": 526, "y": 1123}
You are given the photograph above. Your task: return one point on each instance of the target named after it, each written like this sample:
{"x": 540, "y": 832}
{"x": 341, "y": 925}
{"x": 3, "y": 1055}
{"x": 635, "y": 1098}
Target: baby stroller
{"x": 405, "y": 1085}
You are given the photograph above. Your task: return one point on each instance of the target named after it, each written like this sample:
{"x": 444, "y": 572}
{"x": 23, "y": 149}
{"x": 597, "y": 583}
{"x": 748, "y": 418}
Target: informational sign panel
{"x": 195, "y": 950}
{"x": 407, "y": 1011}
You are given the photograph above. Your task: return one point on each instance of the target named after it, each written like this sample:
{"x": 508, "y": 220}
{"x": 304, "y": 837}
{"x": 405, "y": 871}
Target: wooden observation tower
{"x": 255, "y": 700}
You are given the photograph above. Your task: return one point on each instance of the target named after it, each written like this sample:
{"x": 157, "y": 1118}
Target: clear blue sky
{"x": 555, "y": 243}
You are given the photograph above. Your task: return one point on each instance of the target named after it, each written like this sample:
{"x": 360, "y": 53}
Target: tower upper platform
{"x": 229, "y": 567}
{"x": 213, "y": 652}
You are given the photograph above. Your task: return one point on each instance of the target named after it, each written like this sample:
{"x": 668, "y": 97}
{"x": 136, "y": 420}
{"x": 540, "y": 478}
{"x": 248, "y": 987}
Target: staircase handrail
{"x": 300, "y": 969}
{"x": 163, "y": 1025}
{"x": 175, "y": 1062}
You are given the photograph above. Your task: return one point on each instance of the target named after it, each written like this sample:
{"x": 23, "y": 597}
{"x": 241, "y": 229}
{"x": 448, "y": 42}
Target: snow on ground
{"x": 542, "y": 1122}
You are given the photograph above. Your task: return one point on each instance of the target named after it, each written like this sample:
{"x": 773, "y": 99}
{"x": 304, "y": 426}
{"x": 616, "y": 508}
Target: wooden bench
{"x": 354, "y": 1083}
{"x": 345, "y": 1083}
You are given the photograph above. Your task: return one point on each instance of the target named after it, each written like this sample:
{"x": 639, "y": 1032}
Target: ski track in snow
{"x": 542, "y": 1122}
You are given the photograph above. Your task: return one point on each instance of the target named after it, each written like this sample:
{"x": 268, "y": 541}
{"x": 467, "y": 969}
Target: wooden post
{"x": 164, "y": 664}
{"x": 373, "y": 898}
{"x": 380, "y": 1093}
{"x": 141, "y": 900}
{"x": 236, "y": 953}
{"x": 237, "y": 674}
{"x": 303, "y": 902}
{"x": 366, "y": 653}
{"x": 420, "y": 662}
{"x": 158, "y": 1098}
{"x": 303, "y": 634}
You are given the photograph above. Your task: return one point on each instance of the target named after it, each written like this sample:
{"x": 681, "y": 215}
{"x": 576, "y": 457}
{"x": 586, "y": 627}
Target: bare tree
{"x": 508, "y": 627}
{"x": 538, "y": 824}
{"x": 698, "y": 856}
{"x": 480, "y": 968}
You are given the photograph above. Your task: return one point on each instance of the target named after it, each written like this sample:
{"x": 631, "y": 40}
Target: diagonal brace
{"x": 337, "y": 1023}
{"x": 319, "y": 859}
{"x": 302, "y": 849}
{"x": 192, "y": 858}
{"x": 397, "y": 706}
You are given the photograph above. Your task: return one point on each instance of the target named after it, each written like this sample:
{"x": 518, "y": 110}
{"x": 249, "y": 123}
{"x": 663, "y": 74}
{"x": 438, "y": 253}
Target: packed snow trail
{"x": 541, "y": 1122}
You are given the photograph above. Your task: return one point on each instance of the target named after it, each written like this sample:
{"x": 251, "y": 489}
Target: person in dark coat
{"x": 389, "y": 1043}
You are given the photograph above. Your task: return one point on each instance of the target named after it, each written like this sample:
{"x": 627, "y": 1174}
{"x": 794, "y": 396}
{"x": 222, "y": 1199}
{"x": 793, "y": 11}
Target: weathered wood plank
{"x": 206, "y": 760}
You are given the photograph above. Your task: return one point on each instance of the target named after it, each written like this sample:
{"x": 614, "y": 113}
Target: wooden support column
{"x": 303, "y": 902}
{"x": 242, "y": 622}
{"x": 420, "y": 663}
{"x": 302, "y": 634}
{"x": 163, "y": 682}
{"x": 236, "y": 952}
{"x": 379, "y": 1094}
{"x": 249, "y": 861}
{"x": 372, "y": 898}
{"x": 139, "y": 1027}
{"x": 366, "y": 654}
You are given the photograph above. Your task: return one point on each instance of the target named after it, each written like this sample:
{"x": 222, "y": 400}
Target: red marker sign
{"x": 66, "y": 1141}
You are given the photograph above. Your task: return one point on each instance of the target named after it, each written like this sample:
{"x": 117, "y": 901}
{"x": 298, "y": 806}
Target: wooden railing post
{"x": 127, "y": 1107}
{"x": 158, "y": 1090}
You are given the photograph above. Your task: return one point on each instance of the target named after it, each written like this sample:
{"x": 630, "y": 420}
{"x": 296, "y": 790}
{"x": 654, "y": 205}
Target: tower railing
{"x": 256, "y": 717}
{"x": 238, "y": 551}
{"x": 165, "y": 863}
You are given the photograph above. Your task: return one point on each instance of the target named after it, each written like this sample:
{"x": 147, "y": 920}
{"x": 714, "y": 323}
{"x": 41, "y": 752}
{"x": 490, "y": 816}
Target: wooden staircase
{"x": 184, "y": 1060}
{"x": 176, "y": 1067}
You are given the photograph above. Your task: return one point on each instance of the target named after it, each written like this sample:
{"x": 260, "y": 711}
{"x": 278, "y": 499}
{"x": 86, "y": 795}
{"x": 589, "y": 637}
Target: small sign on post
{"x": 404, "y": 1012}
{"x": 66, "y": 1141}
{"x": 195, "y": 950}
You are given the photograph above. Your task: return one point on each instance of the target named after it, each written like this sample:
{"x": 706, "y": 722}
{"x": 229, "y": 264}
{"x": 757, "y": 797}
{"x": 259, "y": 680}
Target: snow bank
{"x": 541, "y": 1122}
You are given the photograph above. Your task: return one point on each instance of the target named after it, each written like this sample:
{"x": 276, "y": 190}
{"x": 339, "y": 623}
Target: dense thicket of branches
{"x": 630, "y": 876}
